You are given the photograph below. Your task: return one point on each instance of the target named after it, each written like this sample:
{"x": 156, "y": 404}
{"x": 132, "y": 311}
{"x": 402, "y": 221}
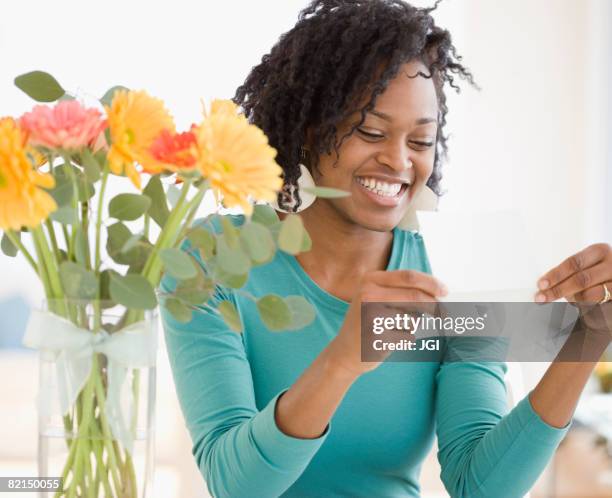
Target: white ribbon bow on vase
{"x": 72, "y": 349}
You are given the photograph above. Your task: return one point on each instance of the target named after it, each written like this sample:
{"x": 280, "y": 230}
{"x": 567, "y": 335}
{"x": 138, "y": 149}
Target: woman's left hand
{"x": 580, "y": 278}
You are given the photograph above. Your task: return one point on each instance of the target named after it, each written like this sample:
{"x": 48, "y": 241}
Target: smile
{"x": 382, "y": 193}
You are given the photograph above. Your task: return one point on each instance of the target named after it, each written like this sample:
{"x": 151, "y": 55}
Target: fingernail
{"x": 540, "y": 298}
{"x": 543, "y": 284}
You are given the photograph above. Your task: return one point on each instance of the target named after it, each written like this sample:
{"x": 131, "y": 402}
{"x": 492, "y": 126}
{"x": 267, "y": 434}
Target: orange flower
{"x": 175, "y": 150}
{"x": 135, "y": 120}
{"x": 22, "y": 201}
{"x": 236, "y": 158}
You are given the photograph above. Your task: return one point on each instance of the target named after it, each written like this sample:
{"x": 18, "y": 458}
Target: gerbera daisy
{"x": 22, "y": 202}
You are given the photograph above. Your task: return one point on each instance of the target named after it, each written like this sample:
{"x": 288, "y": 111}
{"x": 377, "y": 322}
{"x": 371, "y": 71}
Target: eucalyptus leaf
{"x": 40, "y": 86}
{"x": 107, "y": 98}
{"x": 128, "y": 207}
{"x": 203, "y": 240}
{"x": 81, "y": 246}
{"x": 158, "y": 211}
{"x": 228, "y": 279}
{"x": 178, "y": 264}
{"x": 302, "y": 312}
{"x": 77, "y": 282}
{"x": 133, "y": 291}
{"x": 264, "y": 214}
{"x": 327, "y": 192}
{"x": 231, "y": 260}
{"x": 230, "y": 315}
{"x": 66, "y": 215}
{"x": 306, "y": 242}
{"x": 131, "y": 242}
{"x": 180, "y": 311}
{"x": 118, "y": 237}
{"x": 274, "y": 312}
{"x": 258, "y": 242}
{"x": 105, "y": 297}
{"x": 195, "y": 291}
{"x": 8, "y": 248}
{"x": 291, "y": 234}
{"x": 90, "y": 164}
{"x": 230, "y": 232}
{"x": 63, "y": 191}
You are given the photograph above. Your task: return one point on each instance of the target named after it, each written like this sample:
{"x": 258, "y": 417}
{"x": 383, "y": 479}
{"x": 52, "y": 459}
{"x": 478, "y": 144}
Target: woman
{"x": 355, "y": 91}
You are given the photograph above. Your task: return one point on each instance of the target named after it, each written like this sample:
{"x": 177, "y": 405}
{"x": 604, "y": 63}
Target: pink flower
{"x": 68, "y": 125}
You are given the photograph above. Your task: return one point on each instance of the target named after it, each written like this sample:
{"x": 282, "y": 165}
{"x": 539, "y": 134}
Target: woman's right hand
{"x": 399, "y": 286}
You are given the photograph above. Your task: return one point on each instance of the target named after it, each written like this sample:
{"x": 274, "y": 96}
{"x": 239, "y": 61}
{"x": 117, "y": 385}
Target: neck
{"x": 342, "y": 251}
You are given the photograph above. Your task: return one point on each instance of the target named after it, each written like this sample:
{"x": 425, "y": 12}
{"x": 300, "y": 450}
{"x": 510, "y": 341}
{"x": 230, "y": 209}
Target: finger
{"x": 577, "y": 282}
{"x": 593, "y": 294}
{"x": 409, "y": 279}
{"x": 400, "y": 300}
{"x": 578, "y": 262}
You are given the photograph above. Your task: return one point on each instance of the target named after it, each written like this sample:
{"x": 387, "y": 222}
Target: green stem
{"x": 99, "y": 217}
{"x": 54, "y": 246}
{"x": 48, "y": 261}
{"x": 17, "y": 243}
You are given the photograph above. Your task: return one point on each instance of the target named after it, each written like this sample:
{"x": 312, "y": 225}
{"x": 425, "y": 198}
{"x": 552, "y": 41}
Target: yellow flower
{"x": 236, "y": 158}
{"x": 22, "y": 202}
{"x": 135, "y": 119}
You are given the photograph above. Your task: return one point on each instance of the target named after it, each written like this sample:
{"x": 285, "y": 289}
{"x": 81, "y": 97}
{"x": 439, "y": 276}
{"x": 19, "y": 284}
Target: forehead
{"x": 409, "y": 98}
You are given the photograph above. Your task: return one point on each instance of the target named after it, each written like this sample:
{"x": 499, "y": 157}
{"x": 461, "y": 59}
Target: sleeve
{"x": 483, "y": 449}
{"x": 239, "y": 450}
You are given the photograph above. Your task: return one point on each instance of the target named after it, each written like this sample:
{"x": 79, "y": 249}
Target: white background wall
{"x": 536, "y": 139}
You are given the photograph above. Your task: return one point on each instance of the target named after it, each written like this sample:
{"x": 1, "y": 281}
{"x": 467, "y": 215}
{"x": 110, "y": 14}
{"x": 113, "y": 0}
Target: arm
{"x": 240, "y": 451}
{"x": 484, "y": 450}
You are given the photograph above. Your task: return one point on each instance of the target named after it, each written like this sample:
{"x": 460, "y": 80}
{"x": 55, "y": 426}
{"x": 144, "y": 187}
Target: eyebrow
{"x": 386, "y": 117}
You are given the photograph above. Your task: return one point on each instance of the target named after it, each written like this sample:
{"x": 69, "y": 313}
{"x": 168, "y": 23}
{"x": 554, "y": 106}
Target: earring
{"x": 304, "y": 181}
{"x": 425, "y": 200}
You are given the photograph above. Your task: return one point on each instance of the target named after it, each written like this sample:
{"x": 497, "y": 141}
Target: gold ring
{"x": 607, "y": 295}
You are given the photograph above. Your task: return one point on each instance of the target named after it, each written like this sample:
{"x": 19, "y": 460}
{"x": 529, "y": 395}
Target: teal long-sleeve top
{"x": 228, "y": 385}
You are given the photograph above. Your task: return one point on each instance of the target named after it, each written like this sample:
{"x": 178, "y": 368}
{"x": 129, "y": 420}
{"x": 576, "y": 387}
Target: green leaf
{"x": 81, "y": 247}
{"x": 91, "y": 167}
{"x": 8, "y": 248}
{"x": 159, "y": 207}
{"x": 264, "y": 214}
{"x": 63, "y": 191}
{"x": 118, "y": 237}
{"x": 203, "y": 240}
{"x": 107, "y": 98}
{"x": 105, "y": 297}
{"x": 274, "y": 312}
{"x": 195, "y": 291}
{"x": 306, "y": 242}
{"x": 66, "y": 215}
{"x": 326, "y": 192}
{"x": 63, "y": 176}
{"x": 77, "y": 282}
{"x": 131, "y": 242}
{"x": 66, "y": 96}
{"x": 133, "y": 291}
{"x": 229, "y": 279}
{"x": 40, "y": 86}
{"x": 173, "y": 194}
{"x": 291, "y": 234}
{"x": 180, "y": 311}
{"x": 231, "y": 260}
{"x": 178, "y": 264}
{"x": 230, "y": 232}
{"x": 302, "y": 312}
{"x": 128, "y": 207}
{"x": 258, "y": 242}
{"x": 230, "y": 315}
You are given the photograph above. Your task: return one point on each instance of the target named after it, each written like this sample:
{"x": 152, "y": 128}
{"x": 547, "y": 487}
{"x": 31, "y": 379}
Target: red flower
{"x": 175, "y": 149}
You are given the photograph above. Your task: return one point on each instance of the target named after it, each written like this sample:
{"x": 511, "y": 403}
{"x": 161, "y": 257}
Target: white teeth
{"x": 381, "y": 188}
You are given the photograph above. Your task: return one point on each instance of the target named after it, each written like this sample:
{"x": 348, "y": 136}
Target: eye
{"x": 422, "y": 145}
{"x": 370, "y": 135}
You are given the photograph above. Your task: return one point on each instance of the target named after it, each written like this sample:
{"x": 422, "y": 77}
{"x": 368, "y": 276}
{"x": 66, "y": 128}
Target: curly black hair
{"x": 339, "y": 53}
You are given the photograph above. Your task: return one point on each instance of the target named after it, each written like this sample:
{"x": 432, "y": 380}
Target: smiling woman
{"x": 356, "y": 92}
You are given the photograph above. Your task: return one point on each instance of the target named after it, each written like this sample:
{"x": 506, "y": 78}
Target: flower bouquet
{"x": 100, "y": 260}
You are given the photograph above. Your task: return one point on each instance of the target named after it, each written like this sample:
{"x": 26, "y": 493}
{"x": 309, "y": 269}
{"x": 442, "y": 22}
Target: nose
{"x": 396, "y": 155}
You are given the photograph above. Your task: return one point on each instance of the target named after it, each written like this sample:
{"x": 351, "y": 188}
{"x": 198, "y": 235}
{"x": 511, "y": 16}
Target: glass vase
{"x": 96, "y": 399}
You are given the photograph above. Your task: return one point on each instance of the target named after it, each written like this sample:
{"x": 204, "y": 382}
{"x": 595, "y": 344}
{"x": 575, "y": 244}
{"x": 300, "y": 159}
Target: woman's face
{"x": 389, "y": 157}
